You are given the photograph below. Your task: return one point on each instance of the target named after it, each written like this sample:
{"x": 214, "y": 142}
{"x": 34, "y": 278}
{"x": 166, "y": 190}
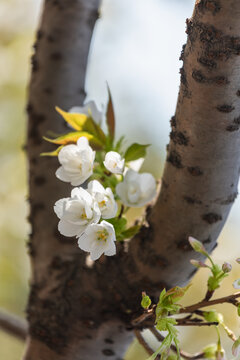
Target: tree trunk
{"x": 80, "y": 312}
{"x": 200, "y": 180}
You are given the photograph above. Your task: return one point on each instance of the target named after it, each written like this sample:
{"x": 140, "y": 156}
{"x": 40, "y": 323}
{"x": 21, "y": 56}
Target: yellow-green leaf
{"x": 83, "y": 122}
{"x": 52, "y": 153}
{"x": 77, "y": 121}
{"x": 72, "y": 138}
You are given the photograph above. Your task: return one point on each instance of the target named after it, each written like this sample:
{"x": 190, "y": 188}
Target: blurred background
{"x": 133, "y": 49}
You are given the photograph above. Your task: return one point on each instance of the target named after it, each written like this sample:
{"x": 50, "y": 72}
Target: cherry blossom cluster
{"x": 105, "y": 185}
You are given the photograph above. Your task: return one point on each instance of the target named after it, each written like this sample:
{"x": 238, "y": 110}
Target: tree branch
{"x": 13, "y": 325}
{"x": 226, "y": 299}
{"x": 201, "y": 173}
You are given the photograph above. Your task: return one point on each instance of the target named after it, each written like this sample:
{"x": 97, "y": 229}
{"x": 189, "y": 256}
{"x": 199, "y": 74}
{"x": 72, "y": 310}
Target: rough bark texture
{"x": 81, "y": 313}
{"x": 201, "y": 174}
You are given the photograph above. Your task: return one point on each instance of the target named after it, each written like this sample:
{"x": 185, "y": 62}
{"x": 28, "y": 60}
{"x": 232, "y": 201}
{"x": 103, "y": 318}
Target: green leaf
{"x": 52, "y": 153}
{"x": 177, "y": 292}
{"x": 110, "y": 116}
{"x": 164, "y": 324}
{"x": 135, "y": 151}
{"x": 119, "y": 144}
{"x": 130, "y": 232}
{"x": 238, "y": 309}
{"x": 119, "y": 224}
{"x": 164, "y": 345}
{"x": 146, "y": 301}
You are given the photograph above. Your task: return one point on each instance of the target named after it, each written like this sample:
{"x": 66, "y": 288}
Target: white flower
{"x": 98, "y": 239}
{"x": 77, "y": 162}
{"x": 114, "y": 162}
{"x": 236, "y": 284}
{"x": 76, "y": 213}
{"x": 137, "y": 189}
{"x": 89, "y": 108}
{"x": 104, "y": 198}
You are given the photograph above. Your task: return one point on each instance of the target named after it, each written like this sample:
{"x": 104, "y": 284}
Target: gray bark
{"x": 73, "y": 308}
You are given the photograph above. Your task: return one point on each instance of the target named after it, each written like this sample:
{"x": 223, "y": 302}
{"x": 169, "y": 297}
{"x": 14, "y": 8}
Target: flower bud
{"x": 220, "y": 355}
{"x": 236, "y": 348}
{"x": 198, "y": 263}
{"x": 197, "y": 245}
{"x": 238, "y": 260}
{"x": 210, "y": 351}
{"x": 226, "y": 268}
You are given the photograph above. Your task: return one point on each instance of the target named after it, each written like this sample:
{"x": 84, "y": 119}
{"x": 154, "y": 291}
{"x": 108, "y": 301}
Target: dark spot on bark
{"x": 225, "y": 108}
{"x": 191, "y": 200}
{"x": 238, "y": 93}
{"x": 47, "y": 90}
{"x": 35, "y": 63}
{"x": 209, "y": 5}
{"x": 108, "y": 352}
{"x": 40, "y": 34}
{"x": 50, "y": 38}
{"x": 207, "y": 241}
{"x": 39, "y": 180}
{"x": 175, "y": 159}
{"x": 195, "y": 171}
{"x": 231, "y": 198}
{"x": 237, "y": 120}
{"x": 210, "y": 64}
{"x": 173, "y": 121}
{"x": 92, "y": 17}
{"x": 29, "y": 108}
{"x": 81, "y": 91}
{"x": 33, "y": 161}
{"x": 35, "y": 208}
{"x": 233, "y": 127}
{"x": 109, "y": 341}
{"x": 183, "y": 76}
{"x": 211, "y": 218}
{"x": 56, "y": 56}
{"x": 35, "y": 46}
{"x": 214, "y": 246}
{"x": 30, "y": 248}
{"x": 184, "y": 245}
{"x": 215, "y": 44}
{"x": 182, "y": 52}
{"x": 179, "y": 138}
{"x": 149, "y": 256}
{"x": 201, "y": 78}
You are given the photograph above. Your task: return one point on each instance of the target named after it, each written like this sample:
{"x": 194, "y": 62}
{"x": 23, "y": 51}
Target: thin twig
{"x": 13, "y": 325}
{"x": 142, "y": 341}
{"x": 227, "y": 299}
{"x": 183, "y": 354}
{"x": 196, "y": 323}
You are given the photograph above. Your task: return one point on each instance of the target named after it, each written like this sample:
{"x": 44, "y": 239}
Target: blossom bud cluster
{"x": 111, "y": 181}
